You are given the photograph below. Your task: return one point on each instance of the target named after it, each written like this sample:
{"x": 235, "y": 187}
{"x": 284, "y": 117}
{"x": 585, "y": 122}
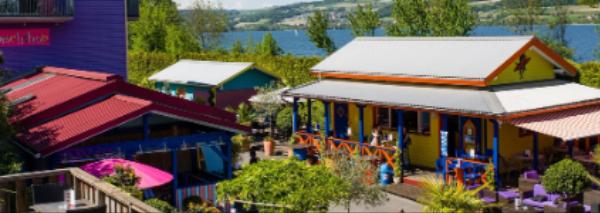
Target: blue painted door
{"x": 340, "y": 117}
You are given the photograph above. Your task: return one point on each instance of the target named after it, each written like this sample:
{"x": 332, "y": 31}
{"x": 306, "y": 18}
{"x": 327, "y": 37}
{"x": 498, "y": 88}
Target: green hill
{"x": 294, "y": 16}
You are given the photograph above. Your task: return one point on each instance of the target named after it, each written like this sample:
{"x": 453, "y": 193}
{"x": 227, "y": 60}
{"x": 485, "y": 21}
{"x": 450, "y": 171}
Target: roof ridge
{"x": 445, "y": 38}
{"x": 215, "y": 62}
{"x": 85, "y": 74}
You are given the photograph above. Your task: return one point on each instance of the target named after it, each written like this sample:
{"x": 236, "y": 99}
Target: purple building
{"x": 77, "y": 34}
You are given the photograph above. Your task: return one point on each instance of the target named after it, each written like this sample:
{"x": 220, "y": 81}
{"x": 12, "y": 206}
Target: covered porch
{"x": 449, "y": 127}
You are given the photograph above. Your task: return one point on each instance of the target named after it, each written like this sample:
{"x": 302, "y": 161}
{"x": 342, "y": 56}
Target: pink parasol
{"x": 149, "y": 176}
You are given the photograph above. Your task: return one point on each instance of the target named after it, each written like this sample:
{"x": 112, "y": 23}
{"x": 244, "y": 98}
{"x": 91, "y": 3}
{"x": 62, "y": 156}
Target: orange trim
{"x": 534, "y": 42}
{"x": 550, "y": 110}
{"x": 403, "y": 79}
{"x": 508, "y": 62}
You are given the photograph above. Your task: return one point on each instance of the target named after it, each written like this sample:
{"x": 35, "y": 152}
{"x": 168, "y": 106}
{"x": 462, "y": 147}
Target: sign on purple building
{"x": 76, "y": 34}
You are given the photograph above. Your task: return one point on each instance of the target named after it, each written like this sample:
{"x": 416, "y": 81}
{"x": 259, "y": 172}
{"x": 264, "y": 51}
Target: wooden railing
{"x": 458, "y": 176}
{"x": 86, "y": 187}
{"x": 347, "y": 146}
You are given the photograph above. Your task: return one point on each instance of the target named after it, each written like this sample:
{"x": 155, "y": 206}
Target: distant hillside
{"x": 295, "y": 15}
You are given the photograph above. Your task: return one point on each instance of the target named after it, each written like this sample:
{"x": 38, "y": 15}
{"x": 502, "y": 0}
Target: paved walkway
{"x": 394, "y": 204}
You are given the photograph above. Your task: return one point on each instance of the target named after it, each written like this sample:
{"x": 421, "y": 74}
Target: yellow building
{"x": 486, "y": 99}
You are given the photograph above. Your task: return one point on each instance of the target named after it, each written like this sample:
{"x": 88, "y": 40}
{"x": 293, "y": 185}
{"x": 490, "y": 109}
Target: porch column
{"x": 174, "y": 171}
{"x": 496, "y": 157}
{"x": 327, "y": 119}
{"x": 400, "y": 144}
{"x": 309, "y": 114}
{"x": 535, "y": 151}
{"x": 229, "y": 161}
{"x": 295, "y": 115}
{"x": 361, "y": 124}
{"x": 570, "y": 144}
{"x": 146, "y": 124}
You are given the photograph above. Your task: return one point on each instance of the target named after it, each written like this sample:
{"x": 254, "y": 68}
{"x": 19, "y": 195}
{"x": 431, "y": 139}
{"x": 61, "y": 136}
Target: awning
{"x": 567, "y": 125}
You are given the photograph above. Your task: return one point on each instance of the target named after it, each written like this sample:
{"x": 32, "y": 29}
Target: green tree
{"x": 409, "y": 18}
{"x": 207, "y": 21}
{"x": 149, "y": 32}
{"x": 362, "y": 176}
{"x": 178, "y": 40}
{"x": 591, "y": 3}
{"x": 451, "y": 18}
{"x": 522, "y": 15}
{"x": 267, "y": 105}
{"x": 237, "y": 48}
{"x": 291, "y": 185}
{"x": 589, "y": 74}
{"x": 10, "y": 158}
{"x": 316, "y": 27}
{"x": 567, "y": 177}
{"x": 431, "y": 18}
{"x": 268, "y": 46}
{"x": 364, "y": 21}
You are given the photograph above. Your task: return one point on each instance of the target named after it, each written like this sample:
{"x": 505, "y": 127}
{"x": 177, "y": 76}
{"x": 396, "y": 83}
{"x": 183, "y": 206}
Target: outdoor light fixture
{"x": 349, "y": 132}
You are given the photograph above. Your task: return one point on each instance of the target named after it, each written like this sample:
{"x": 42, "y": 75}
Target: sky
{"x": 243, "y": 4}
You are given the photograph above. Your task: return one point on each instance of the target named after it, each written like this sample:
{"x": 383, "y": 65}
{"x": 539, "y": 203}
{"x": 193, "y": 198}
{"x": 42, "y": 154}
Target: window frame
{"x": 389, "y": 126}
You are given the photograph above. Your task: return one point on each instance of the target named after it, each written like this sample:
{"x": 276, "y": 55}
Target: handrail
{"x": 349, "y": 146}
{"x": 110, "y": 191}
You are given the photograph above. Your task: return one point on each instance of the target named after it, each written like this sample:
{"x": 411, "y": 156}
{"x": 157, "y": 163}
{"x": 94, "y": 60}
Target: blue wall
{"x": 94, "y": 40}
{"x": 248, "y": 80}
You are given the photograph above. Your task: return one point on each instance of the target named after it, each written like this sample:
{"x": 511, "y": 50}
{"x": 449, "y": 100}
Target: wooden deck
{"x": 15, "y": 190}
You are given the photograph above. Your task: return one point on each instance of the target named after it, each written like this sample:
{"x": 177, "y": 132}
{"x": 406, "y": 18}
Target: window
{"x": 414, "y": 121}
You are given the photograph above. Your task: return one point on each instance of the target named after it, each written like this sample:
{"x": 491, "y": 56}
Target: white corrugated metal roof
{"x": 491, "y": 100}
{"x": 200, "y": 72}
{"x": 439, "y": 57}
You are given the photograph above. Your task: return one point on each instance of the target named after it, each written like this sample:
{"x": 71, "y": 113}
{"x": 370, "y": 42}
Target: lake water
{"x": 582, "y": 38}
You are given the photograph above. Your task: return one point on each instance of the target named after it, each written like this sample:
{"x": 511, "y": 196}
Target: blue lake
{"x": 582, "y": 38}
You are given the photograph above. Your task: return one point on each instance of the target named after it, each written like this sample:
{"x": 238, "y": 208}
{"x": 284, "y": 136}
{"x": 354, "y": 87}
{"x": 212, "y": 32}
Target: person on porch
{"x": 405, "y": 149}
{"x": 375, "y": 137}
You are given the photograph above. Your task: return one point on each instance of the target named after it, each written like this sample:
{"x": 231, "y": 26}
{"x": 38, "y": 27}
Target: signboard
{"x": 24, "y": 37}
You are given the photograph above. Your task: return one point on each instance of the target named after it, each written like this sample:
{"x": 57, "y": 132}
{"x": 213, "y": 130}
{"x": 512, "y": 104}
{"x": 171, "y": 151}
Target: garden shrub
{"x": 161, "y": 205}
{"x": 567, "y": 177}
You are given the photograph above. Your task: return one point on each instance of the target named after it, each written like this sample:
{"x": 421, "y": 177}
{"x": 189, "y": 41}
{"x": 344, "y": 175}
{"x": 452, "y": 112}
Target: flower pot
{"x": 269, "y": 147}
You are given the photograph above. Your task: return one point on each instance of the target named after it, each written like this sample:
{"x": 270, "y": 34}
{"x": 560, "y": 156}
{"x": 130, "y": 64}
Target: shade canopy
{"x": 149, "y": 176}
{"x": 567, "y": 125}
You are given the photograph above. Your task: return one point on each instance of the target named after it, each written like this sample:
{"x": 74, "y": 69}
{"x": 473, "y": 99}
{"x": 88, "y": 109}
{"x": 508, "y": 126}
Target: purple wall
{"x": 94, "y": 40}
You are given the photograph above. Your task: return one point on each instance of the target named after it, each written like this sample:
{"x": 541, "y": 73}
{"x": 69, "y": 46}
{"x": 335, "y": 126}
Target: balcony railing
{"x": 36, "y": 10}
{"x": 15, "y": 193}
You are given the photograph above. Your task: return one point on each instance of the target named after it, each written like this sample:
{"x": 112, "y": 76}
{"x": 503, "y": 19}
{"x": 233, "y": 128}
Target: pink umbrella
{"x": 149, "y": 176}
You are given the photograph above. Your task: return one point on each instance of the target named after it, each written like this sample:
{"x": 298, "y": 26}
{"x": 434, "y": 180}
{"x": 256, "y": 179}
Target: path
{"x": 394, "y": 204}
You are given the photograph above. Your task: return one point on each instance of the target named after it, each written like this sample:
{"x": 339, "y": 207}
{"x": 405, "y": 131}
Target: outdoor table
{"x": 586, "y": 159}
{"x": 527, "y": 158}
{"x": 60, "y": 206}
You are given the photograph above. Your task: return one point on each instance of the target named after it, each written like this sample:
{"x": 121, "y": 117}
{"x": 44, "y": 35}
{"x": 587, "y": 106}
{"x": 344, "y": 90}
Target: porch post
{"x": 570, "y": 143}
{"x": 535, "y": 151}
{"x": 295, "y": 115}
{"x": 400, "y": 129}
{"x": 229, "y": 161}
{"x": 174, "y": 170}
{"x": 361, "y": 124}
{"x": 496, "y": 156}
{"x": 309, "y": 114}
{"x": 146, "y": 124}
{"x": 327, "y": 121}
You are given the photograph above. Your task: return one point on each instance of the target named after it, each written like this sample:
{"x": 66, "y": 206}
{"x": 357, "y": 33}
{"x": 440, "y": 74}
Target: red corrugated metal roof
{"x": 69, "y": 106}
{"x": 567, "y": 125}
{"x": 84, "y": 123}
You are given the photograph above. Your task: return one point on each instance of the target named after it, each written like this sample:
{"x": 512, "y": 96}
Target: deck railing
{"x": 34, "y": 11}
{"x": 347, "y": 146}
{"x": 86, "y": 187}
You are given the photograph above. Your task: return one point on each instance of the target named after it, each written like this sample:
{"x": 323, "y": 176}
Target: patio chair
{"x": 539, "y": 198}
{"x": 528, "y": 180}
{"x": 48, "y": 193}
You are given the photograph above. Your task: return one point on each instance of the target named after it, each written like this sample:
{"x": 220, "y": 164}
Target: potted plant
{"x": 268, "y": 145}
{"x": 567, "y": 178}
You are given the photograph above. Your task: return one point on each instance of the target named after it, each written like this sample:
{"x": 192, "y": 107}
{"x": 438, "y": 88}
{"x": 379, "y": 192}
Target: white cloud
{"x": 242, "y": 4}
